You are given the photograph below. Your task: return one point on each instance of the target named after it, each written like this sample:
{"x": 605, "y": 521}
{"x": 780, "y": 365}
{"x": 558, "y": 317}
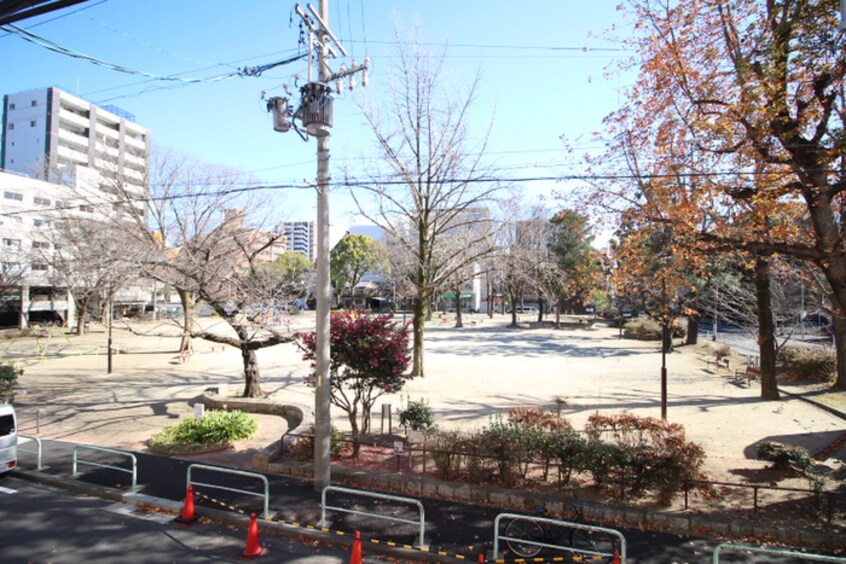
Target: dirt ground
{"x": 471, "y": 374}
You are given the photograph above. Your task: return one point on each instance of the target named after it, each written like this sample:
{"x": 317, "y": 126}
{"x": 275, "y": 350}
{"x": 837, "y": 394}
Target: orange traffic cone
{"x": 254, "y": 549}
{"x": 481, "y": 559}
{"x": 356, "y": 550}
{"x": 616, "y": 558}
{"x": 189, "y": 516}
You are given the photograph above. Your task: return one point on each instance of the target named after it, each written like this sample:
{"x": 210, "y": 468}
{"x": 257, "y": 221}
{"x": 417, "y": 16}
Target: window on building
{"x": 13, "y": 196}
{"x": 86, "y": 209}
{"x": 40, "y": 245}
{"x": 12, "y": 106}
{"x": 15, "y": 243}
{"x": 11, "y": 126}
{"x": 40, "y": 266}
{"x": 34, "y": 103}
{"x": 41, "y": 223}
{"x": 11, "y": 266}
{"x": 32, "y": 123}
{"x": 41, "y": 201}
{"x": 61, "y": 205}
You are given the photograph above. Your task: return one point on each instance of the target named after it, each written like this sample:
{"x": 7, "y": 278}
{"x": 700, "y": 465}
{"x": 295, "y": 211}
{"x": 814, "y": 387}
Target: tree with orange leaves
{"x": 743, "y": 100}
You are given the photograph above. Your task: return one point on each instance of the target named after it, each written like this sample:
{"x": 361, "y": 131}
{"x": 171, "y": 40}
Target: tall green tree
{"x": 351, "y": 258}
{"x": 571, "y": 244}
{"x": 287, "y": 275}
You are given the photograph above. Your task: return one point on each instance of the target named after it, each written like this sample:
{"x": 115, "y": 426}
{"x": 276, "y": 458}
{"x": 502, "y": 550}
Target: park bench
{"x": 718, "y": 362}
{"x": 751, "y": 372}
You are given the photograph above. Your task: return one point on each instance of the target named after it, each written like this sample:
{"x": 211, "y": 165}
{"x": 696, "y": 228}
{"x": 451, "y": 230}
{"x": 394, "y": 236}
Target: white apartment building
{"x": 48, "y": 132}
{"x": 301, "y": 237}
{"x": 61, "y": 155}
{"x": 29, "y": 285}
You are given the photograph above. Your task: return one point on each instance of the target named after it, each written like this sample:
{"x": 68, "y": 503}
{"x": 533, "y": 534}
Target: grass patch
{"x": 216, "y": 429}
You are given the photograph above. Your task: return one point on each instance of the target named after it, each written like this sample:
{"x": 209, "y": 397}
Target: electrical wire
{"x": 62, "y": 15}
{"x": 55, "y": 47}
{"x": 252, "y": 187}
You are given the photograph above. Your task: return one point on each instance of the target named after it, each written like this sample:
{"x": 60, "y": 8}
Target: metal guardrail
{"x": 221, "y": 470}
{"x": 421, "y": 522}
{"x": 557, "y": 523}
{"x": 38, "y": 448}
{"x": 133, "y": 471}
{"x": 773, "y": 551}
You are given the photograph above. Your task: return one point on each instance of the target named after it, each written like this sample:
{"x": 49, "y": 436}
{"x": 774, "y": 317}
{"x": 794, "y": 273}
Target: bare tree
{"x": 210, "y": 243}
{"x": 88, "y": 258}
{"x": 434, "y": 178}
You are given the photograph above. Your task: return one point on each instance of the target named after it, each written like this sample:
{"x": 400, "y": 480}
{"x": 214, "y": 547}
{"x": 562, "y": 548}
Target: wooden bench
{"x": 751, "y": 372}
{"x": 718, "y": 362}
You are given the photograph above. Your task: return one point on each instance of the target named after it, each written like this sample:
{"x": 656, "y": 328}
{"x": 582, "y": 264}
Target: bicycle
{"x": 596, "y": 546}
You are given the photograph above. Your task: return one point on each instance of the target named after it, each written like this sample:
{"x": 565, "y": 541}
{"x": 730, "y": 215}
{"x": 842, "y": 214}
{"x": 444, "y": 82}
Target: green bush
{"x": 215, "y": 428}
{"x": 418, "y": 416}
{"x": 641, "y": 453}
{"x": 807, "y": 364}
{"x": 303, "y": 450}
{"x": 8, "y": 379}
{"x": 784, "y": 457}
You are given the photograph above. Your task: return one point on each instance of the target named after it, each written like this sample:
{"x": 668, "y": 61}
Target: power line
{"x": 55, "y": 47}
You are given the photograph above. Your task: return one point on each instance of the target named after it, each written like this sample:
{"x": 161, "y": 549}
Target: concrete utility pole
{"x": 323, "y": 390}
{"x": 315, "y": 114}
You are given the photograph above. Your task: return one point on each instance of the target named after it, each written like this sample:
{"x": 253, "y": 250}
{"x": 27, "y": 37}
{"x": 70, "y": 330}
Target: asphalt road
{"x": 452, "y": 527}
{"x": 44, "y": 524}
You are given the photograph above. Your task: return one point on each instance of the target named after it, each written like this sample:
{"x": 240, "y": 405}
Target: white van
{"x": 8, "y": 439}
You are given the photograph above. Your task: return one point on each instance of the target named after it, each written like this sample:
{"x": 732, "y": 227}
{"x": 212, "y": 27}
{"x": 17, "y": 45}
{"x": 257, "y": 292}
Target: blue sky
{"x": 536, "y": 81}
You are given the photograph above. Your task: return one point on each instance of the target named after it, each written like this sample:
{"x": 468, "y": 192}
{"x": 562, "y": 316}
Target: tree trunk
{"x": 766, "y": 330}
{"x": 692, "y": 329}
{"x": 352, "y": 415}
{"x": 540, "y": 309}
{"x": 418, "y": 320}
{"x": 252, "y": 387}
{"x": 188, "y": 300}
{"x": 491, "y": 300}
{"x": 82, "y": 311}
{"x": 458, "y": 321}
{"x": 839, "y": 328}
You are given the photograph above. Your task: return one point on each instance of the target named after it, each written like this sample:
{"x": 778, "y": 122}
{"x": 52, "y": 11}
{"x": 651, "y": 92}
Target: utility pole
{"x": 315, "y": 114}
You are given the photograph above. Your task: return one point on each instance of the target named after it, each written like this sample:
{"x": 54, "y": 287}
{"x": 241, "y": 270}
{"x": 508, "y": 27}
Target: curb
{"x": 608, "y": 513}
{"x": 832, "y": 410}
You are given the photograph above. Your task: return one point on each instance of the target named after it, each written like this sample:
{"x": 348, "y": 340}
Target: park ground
{"x": 472, "y": 373}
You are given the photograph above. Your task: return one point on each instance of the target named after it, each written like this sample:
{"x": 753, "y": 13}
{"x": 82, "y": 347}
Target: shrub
{"x": 418, "y": 416}
{"x": 569, "y": 449}
{"x": 807, "y": 364}
{"x": 784, "y": 457}
{"x": 722, "y": 350}
{"x": 8, "y": 379}
{"x": 649, "y": 330}
{"x": 447, "y": 453}
{"x": 642, "y": 453}
{"x": 303, "y": 450}
{"x": 215, "y": 428}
